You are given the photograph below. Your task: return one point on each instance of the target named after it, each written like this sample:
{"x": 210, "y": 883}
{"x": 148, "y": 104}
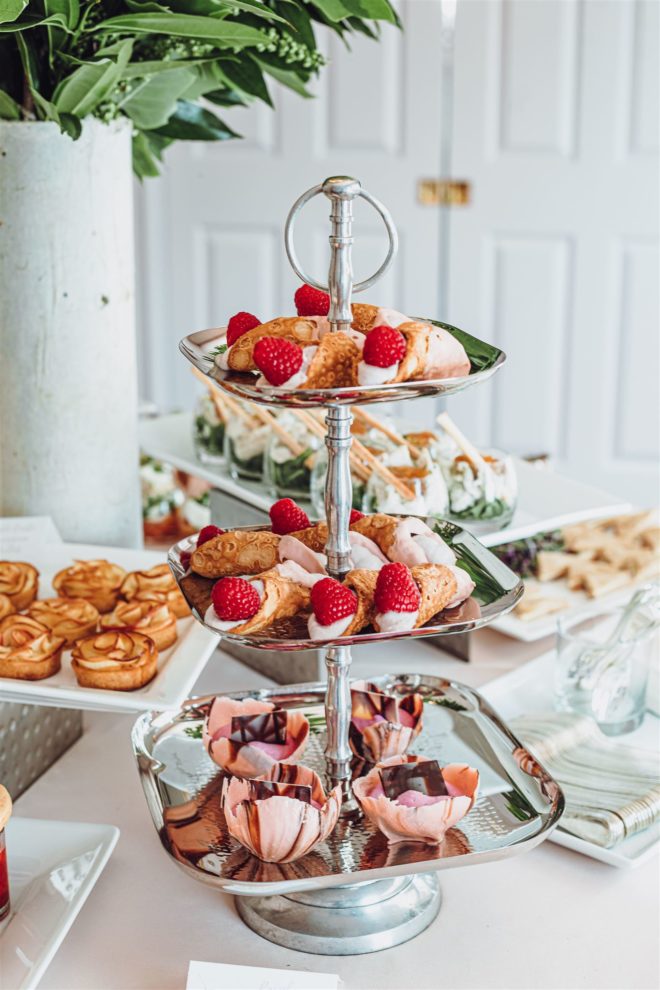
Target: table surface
{"x": 547, "y": 919}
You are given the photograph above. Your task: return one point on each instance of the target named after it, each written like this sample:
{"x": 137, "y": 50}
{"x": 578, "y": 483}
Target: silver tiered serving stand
{"x": 354, "y": 893}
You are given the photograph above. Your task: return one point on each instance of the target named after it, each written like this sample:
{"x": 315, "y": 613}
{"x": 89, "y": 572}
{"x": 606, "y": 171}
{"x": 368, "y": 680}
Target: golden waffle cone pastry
{"x": 236, "y": 553}
{"x": 19, "y": 582}
{"x": 28, "y": 650}
{"x": 156, "y": 585}
{"x": 437, "y": 586}
{"x": 153, "y": 619}
{"x": 97, "y": 581}
{"x": 298, "y": 329}
{"x": 314, "y": 537}
{"x": 363, "y": 583}
{"x": 431, "y": 352}
{"x": 115, "y": 661}
{"x": 334, "y": 364}
{"x": 71, "y": 618}
{"x": 380, "y": 528}
{"x": 281, "y": 598}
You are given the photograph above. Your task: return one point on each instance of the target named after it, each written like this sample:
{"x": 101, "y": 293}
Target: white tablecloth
{"x": 547, "y": 919}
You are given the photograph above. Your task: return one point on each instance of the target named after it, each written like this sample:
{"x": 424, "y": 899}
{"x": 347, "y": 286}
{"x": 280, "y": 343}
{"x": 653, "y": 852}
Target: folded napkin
{"x": 612, "y": 791}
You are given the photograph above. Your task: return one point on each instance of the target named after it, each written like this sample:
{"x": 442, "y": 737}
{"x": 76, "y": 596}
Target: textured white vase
{"x": 68, "y": 378}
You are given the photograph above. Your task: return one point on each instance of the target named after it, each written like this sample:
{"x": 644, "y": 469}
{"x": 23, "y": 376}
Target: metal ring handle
{"x": 293, "y": 257}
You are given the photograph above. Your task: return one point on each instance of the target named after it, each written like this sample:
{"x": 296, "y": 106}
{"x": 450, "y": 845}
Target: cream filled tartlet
{"x": 382, "y": 725}
{"x": 282, "y": 815}
{"x": 247, "y": 737}
{"x": 412, "y": 799}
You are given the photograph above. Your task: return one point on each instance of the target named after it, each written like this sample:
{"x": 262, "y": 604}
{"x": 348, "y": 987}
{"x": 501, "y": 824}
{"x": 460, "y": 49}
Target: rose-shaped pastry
{"x": 156, "y": 585}
{"x": 28, "y": 650}
{"x": 19, "y": 582}
{"x": 154, "y": 620}
{"x": 412, "y": 815}
{"x": 248, "y": 746}
{"x": 97, "y": 581}
{"x": 71, "y": 618}
{"x": 282, "y": 815}
{"x": 382, "y": 725}
{"x": 6, "y": 606}
{"x": 116, "y": 661}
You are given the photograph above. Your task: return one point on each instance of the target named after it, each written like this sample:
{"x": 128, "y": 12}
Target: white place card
{"x": 221, "y": 976}
{"x": 18, "y": 532}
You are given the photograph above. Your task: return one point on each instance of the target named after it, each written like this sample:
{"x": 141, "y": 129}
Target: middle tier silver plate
{"x": 519, "y": 804}
{"x": 497, "y": 590}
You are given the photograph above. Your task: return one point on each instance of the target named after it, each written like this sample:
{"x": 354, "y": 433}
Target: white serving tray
{"x": 178, "y": 667}
{"x": 52, "y": 868}
{"x": 546, "y": 500}
{"x": 529, "y": 689}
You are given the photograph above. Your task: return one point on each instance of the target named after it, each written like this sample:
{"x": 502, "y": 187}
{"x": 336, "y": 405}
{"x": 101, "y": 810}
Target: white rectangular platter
{"x": 546, "y": 500}
{"x": 178, "y": 667}
{"x": 530, "y": 689}
{"x": 53, "y": 866}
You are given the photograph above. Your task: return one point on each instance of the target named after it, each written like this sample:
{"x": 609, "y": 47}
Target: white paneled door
{"x": 555, "y": 124}
{"x": 556, "y": 261}
{"x": 211, "y": 227}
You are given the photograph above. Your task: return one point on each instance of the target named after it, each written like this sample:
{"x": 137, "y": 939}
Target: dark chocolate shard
{"x": 369, "y": 703}
{"x": 269, "y": 727}
{"x": 425, "y": 777}
{"x": 262, "y": 789}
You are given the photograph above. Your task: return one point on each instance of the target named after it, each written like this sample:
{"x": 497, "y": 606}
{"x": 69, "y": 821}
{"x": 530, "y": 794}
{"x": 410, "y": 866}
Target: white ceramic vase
{"x": 68, "y": 377}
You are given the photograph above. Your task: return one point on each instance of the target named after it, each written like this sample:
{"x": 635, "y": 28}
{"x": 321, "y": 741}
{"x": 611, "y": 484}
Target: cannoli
{"x": 332, "y": 363}
{"x": 297, "y": 329}
{"x": 342, "y": 609}
{"x": 236, "y": 552}
{"x": 241, "y": 606}
{"x": 406, "y": 598}
{"x": 411, "y": 352}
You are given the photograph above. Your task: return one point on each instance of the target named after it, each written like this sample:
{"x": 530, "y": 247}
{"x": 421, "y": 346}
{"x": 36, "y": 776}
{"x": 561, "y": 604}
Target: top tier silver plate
{"x": 198, "y": 348}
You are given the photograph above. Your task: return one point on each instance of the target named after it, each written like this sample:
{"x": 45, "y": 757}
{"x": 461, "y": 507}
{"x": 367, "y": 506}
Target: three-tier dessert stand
{"x": 355, "y": 893}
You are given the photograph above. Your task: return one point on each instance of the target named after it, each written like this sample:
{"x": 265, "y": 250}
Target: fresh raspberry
{"x": 311, "y": 302}
{"x": 396, "y": 590}
{"x": 240, "y": 324}
{"x": 287, "y": 517}
{"x": 384, "y": 346}
{"x": 331, "y": 601}
{"x": 277, "y": 359}
{"x": 184, "y": 557}
{"x": 354, "y": 516}
{"x": 234, "y": 598}
{"x": 207, "y": 534}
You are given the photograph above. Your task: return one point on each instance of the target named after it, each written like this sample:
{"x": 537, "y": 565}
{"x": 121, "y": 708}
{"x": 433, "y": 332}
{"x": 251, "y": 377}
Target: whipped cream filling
{"x": 371, "y": 374}
{"x": 222, "y": 360}
{"x": 335, "y": 629}
{"x": 395, "y": 621}
{"x": 211, "y": 617}
{"x": 416, "y": 543}
{"x": 291, "y": 548}
{"x": 292, "y": 571}
{"x": 365, "y": 553}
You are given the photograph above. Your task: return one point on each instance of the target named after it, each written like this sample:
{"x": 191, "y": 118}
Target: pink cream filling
{"x": 413, "y": 799}
{"x": 405, "y": 719}
{"x": 277, "y": 752}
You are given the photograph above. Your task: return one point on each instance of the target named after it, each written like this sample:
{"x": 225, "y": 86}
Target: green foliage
{"x": 164, "y": 64}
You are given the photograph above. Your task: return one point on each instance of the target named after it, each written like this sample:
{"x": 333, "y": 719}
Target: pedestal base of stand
{"x": 347, "y": 920}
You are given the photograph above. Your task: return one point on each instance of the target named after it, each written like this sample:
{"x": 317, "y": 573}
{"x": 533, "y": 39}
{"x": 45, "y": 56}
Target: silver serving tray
{"x": 497, "y": 591}
{"x": 519, "y": 803}
{"x": 197, "y": 348}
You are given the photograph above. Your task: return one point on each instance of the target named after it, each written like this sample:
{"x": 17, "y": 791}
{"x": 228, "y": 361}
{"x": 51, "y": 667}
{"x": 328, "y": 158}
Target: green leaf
{"x": 481, "y": 354}
{"x": 214, "y": 8}
{"x": 225, "y": 98}
{"x": 248, "y": 77}
{"x": 300, "y": 20}
{"x": 142, "y": 70}
{"x": 287, "y": 78}
{"x": 84, "y": 89}
{"x": 334, "y": 10}
{"x": 69, "y": 9}
{"x": 71, "y": 125}
{"x": 223, "y": 34}
{"x": 11, "y": 9}
{"x": 9, "y": 109}
{"x": 373, "y": 10}
{"x": 153, "y": 101}
{"x": 144, "y": 162}
{"x": 193, "y": 123}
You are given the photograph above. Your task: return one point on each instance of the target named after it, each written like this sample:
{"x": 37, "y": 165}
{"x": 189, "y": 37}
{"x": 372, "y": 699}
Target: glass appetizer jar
{"x": 161, "y": 497}
{"x": 486, "y": 500}
{"x": 246, "y": 440}
{"x": 422, "y": 477}
{"x": 5, "y": 814}
{"x": 288, "y": 467}
{"x": 208, "y": 431}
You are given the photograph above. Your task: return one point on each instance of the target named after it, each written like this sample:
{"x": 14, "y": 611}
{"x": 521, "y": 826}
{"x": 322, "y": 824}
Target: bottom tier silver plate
{"x": 518, "y": 807}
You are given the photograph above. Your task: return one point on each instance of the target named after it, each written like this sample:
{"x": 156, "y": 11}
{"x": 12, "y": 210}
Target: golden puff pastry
{"x": 97, "y": 581}
{"x": 155, "y": 585}
{"x": 19, "y": 582}
{"x": 154, "y": 619}
{"x": 71, "y": 618}
{"x": 28, "y": 650}
{"x": 6, "y": 606}
{"x": 115, "y": 661}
